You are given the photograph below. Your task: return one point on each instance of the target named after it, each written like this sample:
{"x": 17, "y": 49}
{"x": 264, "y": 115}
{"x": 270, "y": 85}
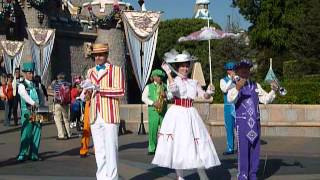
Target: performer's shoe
{"x": 83, "y": 155}
{"x": 151, "y": 153}
{"x": 36, "y": 159}
{"x": 61, "y": 138}
{"x": 228, "y": 153}
{"x": 21, "y": 158}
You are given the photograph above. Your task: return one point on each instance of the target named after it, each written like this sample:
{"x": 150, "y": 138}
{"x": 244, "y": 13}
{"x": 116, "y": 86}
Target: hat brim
{"x": 179, "y": 61}
{"x": 99, "y": 51}
{"x": 28, "y": 70}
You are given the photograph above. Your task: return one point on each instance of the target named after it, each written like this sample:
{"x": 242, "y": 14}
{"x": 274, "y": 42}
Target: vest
{"x": 32, "y": 92}
{"x": 106, "y": 101}
{"x": 154, "y": 94}
{"x": 247, "y": 111}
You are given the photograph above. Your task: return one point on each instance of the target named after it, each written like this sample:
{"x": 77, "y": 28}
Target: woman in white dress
{"x": 183, "y": 140}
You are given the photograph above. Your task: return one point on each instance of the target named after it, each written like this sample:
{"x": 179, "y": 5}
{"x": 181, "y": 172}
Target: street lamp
{"x": 141, "y": 2}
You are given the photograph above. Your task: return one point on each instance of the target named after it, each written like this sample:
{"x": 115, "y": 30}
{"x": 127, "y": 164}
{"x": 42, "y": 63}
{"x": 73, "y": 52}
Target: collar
{"x": 26, "y": 80}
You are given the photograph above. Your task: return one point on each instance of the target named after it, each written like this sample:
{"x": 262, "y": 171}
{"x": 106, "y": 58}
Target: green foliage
{"x": 300, "y": 91}
{"x": 305, "y": 41}
{"x": 298, "y": 69}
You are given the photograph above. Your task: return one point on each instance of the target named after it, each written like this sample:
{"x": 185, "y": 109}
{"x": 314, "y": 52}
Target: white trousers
{"x": 105, "y": 139}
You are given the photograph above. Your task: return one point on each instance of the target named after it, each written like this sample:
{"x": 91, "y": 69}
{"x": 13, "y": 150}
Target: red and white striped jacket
{"x": 106, "y": 101}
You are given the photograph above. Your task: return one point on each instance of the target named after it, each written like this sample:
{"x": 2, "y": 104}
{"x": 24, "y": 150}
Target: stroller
{"x": 77, "y": 114}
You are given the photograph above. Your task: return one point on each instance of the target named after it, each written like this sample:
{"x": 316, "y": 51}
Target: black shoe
{"x": 228, "y": 153}
{"x": 151, "y": 153}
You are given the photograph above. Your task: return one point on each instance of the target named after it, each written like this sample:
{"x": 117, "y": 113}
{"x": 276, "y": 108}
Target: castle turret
{"x": 202, "y": 9}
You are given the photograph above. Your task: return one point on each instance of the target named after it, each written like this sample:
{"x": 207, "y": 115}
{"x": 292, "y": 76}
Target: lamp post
{"x": 142, "y": 129}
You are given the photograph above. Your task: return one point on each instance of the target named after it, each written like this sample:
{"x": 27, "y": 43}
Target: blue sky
{"x": 219, "y": 9}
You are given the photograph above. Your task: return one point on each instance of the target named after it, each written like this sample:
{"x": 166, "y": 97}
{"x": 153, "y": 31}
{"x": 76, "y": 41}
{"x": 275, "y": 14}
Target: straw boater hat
{"x": 100, "y": 48}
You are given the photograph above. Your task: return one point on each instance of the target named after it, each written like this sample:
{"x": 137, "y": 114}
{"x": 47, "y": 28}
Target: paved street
{"x": 287, "y": 158}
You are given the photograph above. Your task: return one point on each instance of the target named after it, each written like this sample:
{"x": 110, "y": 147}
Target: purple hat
{"x": 244, "y": 63}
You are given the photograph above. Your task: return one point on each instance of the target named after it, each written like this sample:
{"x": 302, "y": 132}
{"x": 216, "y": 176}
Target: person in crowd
{"x": 76, "y": 105}
{"x": 8, "y": 93}
{"x": 62, "y": 100}
{"x": 4, "y": 98}
{"x": 16, "y": 98}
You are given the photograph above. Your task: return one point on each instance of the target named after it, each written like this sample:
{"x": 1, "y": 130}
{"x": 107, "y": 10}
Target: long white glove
{"x": 166, "y": 68}
{"x": 210, "y": 90}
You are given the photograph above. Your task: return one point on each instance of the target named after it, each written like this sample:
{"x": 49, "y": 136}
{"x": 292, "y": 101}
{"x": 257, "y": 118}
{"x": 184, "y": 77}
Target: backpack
{"x": 63, "y": 96}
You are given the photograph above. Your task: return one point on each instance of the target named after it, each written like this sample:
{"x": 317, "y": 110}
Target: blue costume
{"x": 229, "y": 109}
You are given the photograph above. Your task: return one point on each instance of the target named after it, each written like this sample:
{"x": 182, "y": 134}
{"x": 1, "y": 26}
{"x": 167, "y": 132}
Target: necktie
{"x": 99, "y": 67}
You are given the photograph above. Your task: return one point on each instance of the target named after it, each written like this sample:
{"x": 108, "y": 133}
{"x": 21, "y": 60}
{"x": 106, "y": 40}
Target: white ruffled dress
{"x": 183, "y": 140}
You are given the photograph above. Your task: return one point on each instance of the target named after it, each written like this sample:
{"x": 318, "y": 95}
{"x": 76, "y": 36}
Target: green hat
{"x": 157, "y": 72}
{"x": 28, "y": 67}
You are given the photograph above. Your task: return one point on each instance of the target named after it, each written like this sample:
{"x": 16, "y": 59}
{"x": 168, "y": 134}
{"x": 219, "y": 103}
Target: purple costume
{"x": 248, "y": 131}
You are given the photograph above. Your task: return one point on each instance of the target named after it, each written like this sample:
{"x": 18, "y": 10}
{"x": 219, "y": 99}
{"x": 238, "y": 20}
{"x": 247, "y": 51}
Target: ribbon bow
{"x": 99, "y": 67}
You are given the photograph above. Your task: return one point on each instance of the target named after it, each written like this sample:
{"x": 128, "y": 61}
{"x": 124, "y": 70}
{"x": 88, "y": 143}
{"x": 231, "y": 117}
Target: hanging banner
{"x": 12, "y": 53}
{"x": 42, "y": 41}
{"x": 141, "y": 29}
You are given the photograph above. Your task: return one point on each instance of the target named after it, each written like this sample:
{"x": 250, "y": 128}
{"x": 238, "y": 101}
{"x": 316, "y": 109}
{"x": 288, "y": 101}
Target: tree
{"x": 305, "y": 43}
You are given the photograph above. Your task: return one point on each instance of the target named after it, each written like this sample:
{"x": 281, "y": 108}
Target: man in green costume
{"x": 154, "y": 95}
{"x": 30, "y": 126}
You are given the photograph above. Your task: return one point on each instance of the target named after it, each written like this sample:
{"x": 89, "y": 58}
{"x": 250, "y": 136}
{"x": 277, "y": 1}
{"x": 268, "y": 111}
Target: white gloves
{"x": 166, "y": 68}
{"x": 87, "y": 84}
{"x": 210, "y": 90}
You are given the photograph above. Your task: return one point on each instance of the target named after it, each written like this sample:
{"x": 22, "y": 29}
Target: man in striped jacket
{"x": 108, "y": 81}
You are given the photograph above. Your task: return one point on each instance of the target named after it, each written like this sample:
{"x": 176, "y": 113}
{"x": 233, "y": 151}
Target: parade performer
{"x": 226, "y": 84}
{"x": 184, "y": 142}
{"x": 154, "y": 95}
{"x": 30, "y": 126}
{"x": 108, "y": 86}
{"x": 16, "y": 99}
{"x": 246, "y": 95}
{"x": 85, "y": 140}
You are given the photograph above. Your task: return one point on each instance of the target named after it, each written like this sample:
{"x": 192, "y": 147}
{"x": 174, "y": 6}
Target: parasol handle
{"x": 210, "y": 64}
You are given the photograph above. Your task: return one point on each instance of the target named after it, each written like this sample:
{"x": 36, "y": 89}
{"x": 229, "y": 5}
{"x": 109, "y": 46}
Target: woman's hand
{"x": 166, "y": 68}
{"x": 210, "y": 90}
